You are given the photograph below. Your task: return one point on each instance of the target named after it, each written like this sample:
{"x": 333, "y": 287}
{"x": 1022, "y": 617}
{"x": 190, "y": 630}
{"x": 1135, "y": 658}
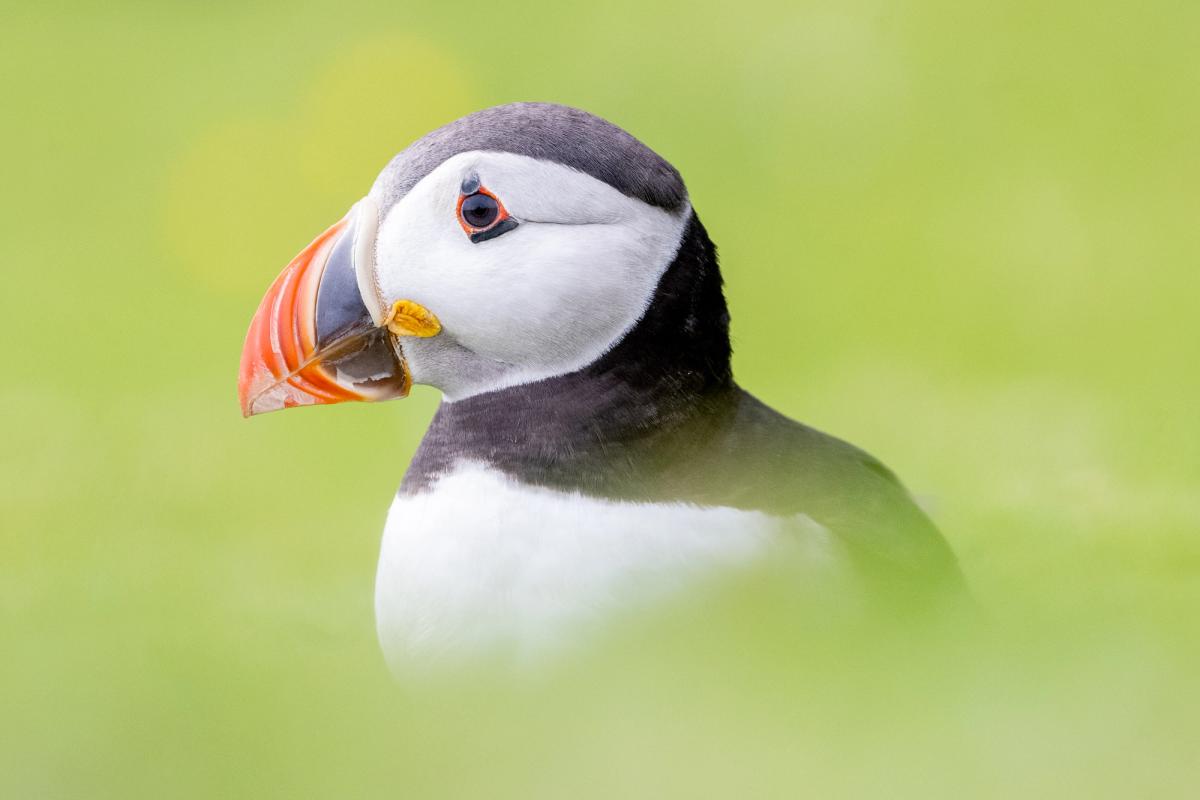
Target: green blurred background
{"x": 962, "y": 235}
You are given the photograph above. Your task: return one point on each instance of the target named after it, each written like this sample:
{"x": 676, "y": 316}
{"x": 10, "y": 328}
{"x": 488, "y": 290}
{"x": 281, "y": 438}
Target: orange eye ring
{"x": 502, "y": 223}
{"x": 501, "y": 215}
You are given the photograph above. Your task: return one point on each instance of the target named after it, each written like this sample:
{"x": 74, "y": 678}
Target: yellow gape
{"x": 408, "y": 318}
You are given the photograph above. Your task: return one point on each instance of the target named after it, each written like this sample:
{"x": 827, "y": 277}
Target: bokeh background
{"x": 962, "y": 235}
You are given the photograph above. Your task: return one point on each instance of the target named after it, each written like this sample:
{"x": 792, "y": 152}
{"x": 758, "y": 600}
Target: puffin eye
{"x": 479, "y": 210}
{"x": 481, "y": 213}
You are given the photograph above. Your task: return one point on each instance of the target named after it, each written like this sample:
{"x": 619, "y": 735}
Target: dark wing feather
{"x": 774, "y": 464}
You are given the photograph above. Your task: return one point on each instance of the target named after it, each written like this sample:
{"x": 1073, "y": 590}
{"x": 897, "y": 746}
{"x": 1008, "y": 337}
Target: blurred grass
{"x": 962, "y": 235}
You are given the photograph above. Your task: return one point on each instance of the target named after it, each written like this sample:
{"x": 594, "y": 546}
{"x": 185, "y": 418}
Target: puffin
{"x": 592, "y": 454}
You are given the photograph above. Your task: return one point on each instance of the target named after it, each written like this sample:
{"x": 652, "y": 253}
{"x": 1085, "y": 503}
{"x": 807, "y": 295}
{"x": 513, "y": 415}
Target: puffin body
{"x": 592, "y": 453}
{"x": 482, "y": 563}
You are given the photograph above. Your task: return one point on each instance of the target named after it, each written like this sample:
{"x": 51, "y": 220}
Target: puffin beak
{"x": 319, "y": 335}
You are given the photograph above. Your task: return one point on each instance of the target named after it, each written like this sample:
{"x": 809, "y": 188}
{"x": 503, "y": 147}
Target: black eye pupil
{"x": 480, "y": 210}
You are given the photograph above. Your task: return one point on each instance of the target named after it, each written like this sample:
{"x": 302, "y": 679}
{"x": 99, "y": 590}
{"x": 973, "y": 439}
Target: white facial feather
{"x": 545, "y": 299}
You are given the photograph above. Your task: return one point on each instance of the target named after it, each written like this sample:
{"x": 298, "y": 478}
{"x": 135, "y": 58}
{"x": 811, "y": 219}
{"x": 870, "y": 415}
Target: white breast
{"x": 482, "y": 562}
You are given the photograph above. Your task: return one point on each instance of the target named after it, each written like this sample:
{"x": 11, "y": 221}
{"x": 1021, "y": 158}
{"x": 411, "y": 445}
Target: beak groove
{"x": 313, "y": 340}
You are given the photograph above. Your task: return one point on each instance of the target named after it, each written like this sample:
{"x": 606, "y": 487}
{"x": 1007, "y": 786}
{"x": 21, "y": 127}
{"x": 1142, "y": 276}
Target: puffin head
{"x": 515, "y": 244}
